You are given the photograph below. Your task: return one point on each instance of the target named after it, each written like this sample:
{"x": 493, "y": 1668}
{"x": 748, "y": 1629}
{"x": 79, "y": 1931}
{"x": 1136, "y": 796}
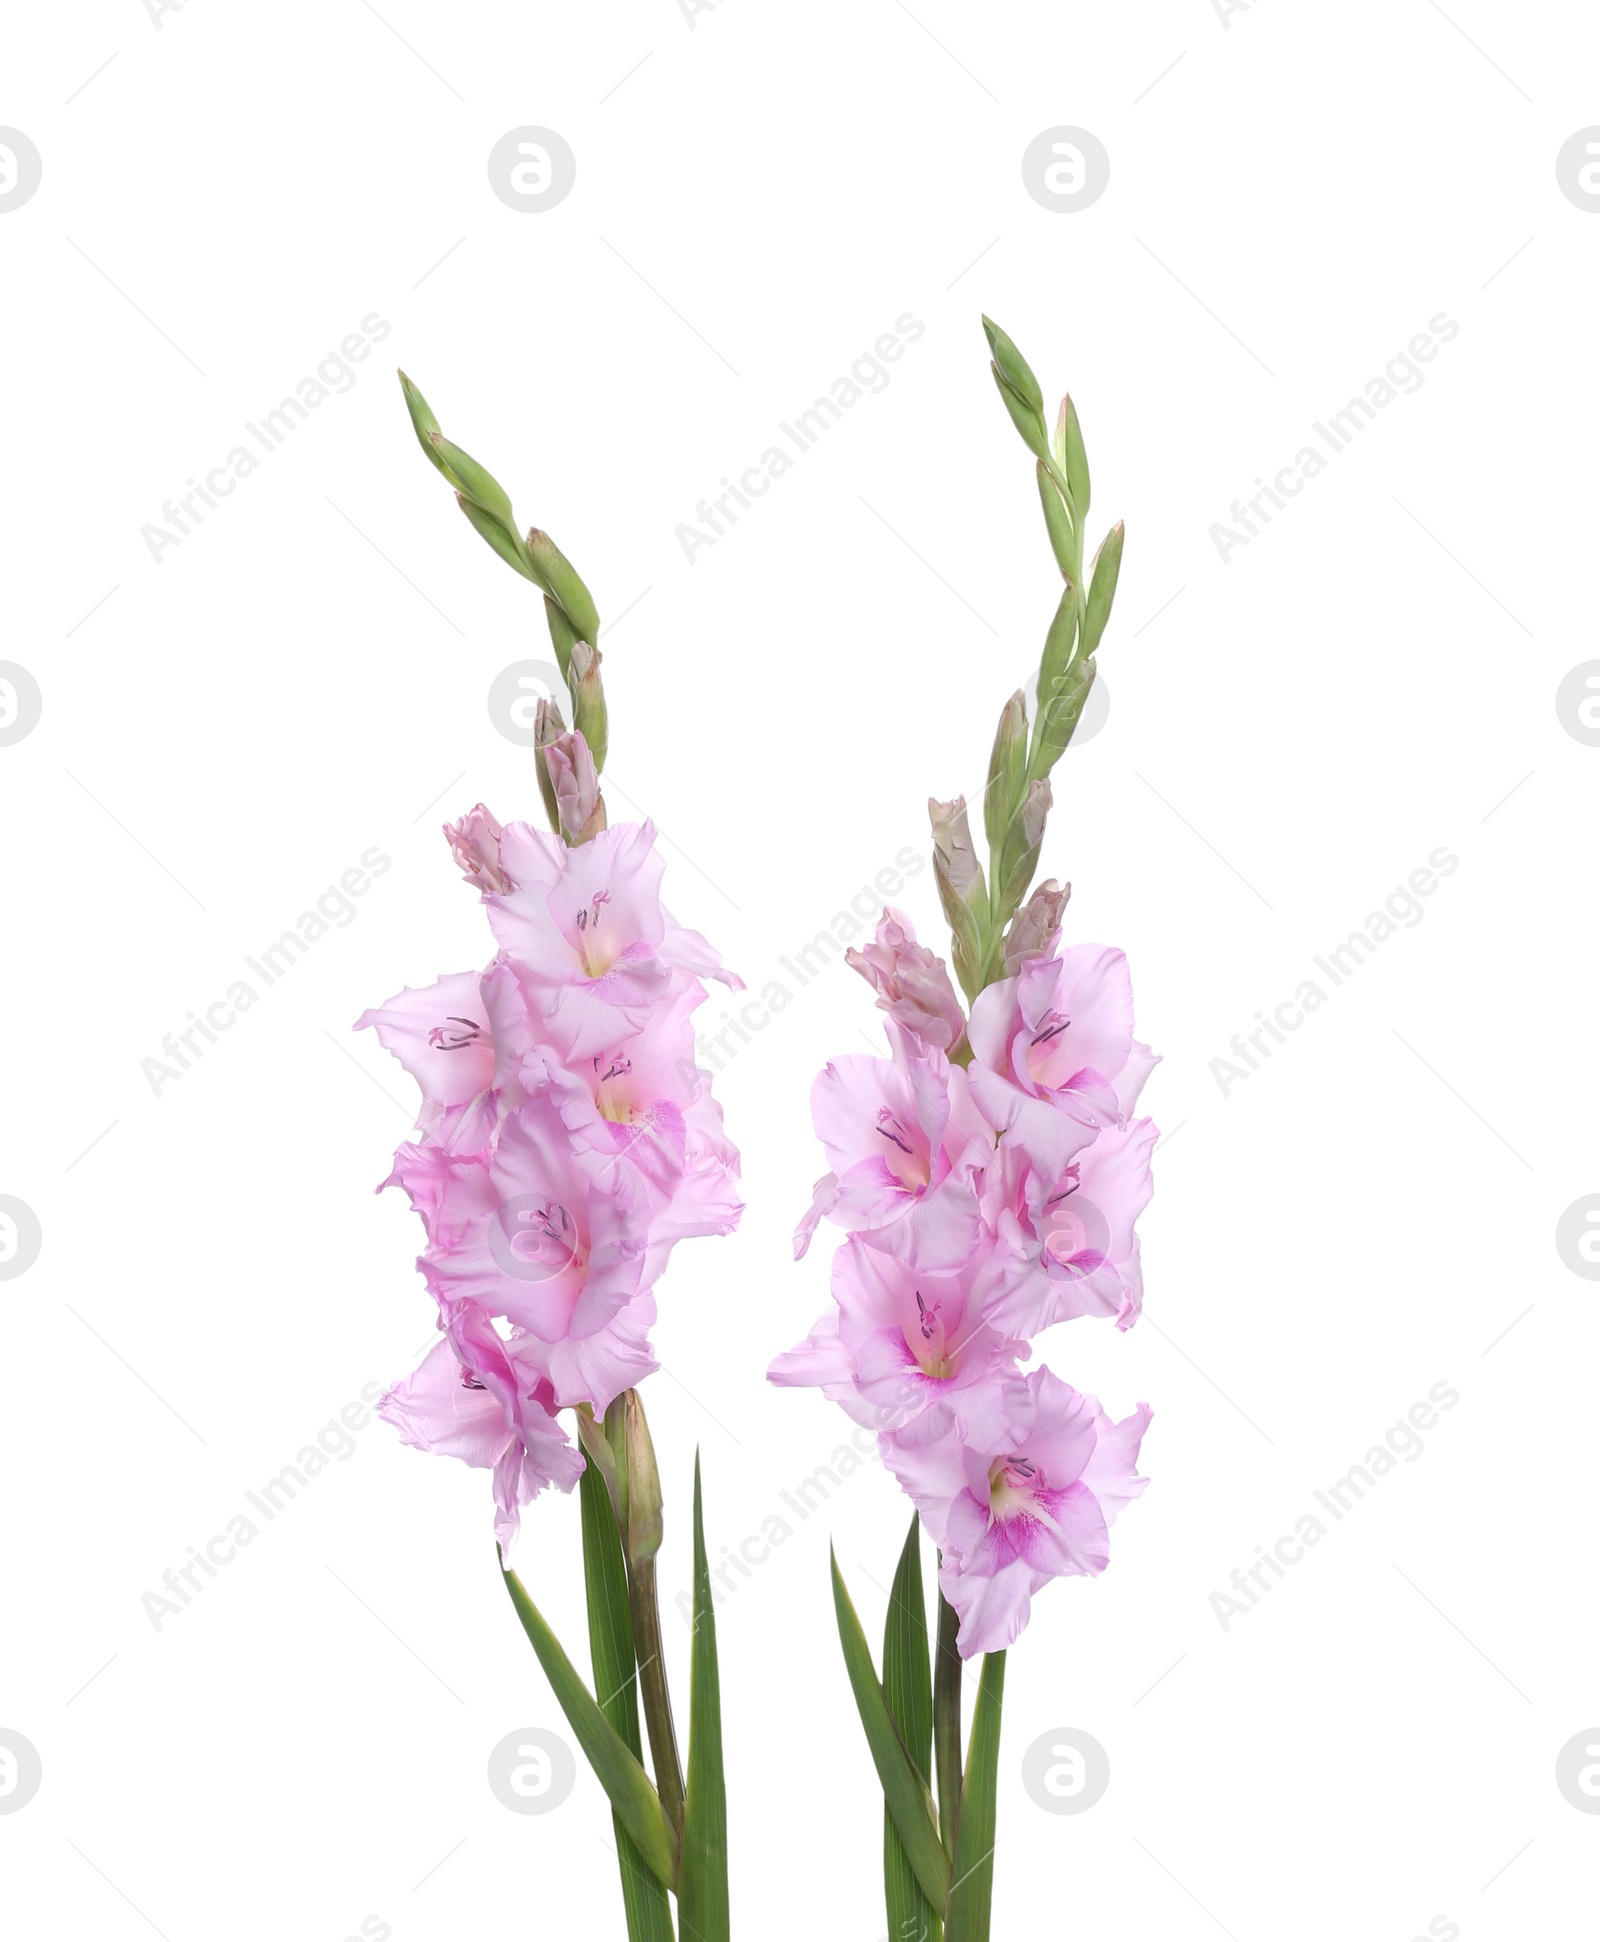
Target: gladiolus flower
{"x": 1011, "y": 1514}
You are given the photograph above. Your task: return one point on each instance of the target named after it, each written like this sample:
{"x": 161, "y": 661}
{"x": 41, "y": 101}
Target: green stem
{"x": 947, "y": 1725}
{"x": 967, "y": 1912}
{"x": 653, "y": 1692}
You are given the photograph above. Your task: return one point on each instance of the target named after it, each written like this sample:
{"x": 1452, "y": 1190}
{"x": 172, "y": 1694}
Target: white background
{"x": 1291, "y": 734}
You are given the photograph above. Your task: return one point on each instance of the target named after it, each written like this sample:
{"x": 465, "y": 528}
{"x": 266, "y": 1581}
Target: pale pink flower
{"x": 550, "y": 1236}
{"x": 592, "y": 946}
{"x": 1010, "y": 1516}
{"x": 479, "y": 1397}
{"x": 441, "y": 1034}
{"x": 1054, "y": 1056}
{"x": 912, "y": 1352}
{"x": 906, "y": 1145}
{"x": 643, "y": 1101}
{"x": 913, "y": 985}
{"x": 1073, "y": 1231}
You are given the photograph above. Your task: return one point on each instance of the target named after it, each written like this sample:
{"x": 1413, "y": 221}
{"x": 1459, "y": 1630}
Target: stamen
{"x": 442, "y": 1039}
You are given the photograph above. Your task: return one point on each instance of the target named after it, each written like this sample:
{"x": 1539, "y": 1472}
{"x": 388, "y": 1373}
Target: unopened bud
{"x": 1008, "y": 766}
{"x": 548, "y": 727}
{"x": 475, "y": 844}
{"x": 1020, "y": 854}
{"x": 962, "y": 890}
{"x": 1072, "y": 458}
{"x": 560, "y": 580}
{"x": 1013, "y": 367}
{"x": 644, "y": 1483}
{"x": 1102, "y": 588}
{"x": 588, "y": 699}
{"x": 912, "y": 983}
{"x": 579, "y": 808}
{"x": 1035, "y": 927}
{"x": 1060, "y": 523}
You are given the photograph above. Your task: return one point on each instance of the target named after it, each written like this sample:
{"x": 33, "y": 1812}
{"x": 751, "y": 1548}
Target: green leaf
{"x": 615, "y": 1765}
{"x": 967, "y": 1915}
{"x": 611, "y": 1651}
{"x": 905, "y": 1792}
{"x": 908, "y": 1693}
{"x": 490, "y": 529}
{"x": 947, "y": 1722}
{"x": 703, "y": 1868}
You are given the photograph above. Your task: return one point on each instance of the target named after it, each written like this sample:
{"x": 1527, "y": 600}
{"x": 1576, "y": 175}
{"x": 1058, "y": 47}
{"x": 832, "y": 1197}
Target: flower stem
{"x": 947, "y": 1725}
{"x": 653, "y": 1693}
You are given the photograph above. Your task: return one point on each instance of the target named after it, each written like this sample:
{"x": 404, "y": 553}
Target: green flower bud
{"x": 1023, "y": 415}
{"x": 425, "y": 425}
{"x": 563, "y": 636}
{"x": 1102, "y": 588}
{"x": 490, "y": 528}
{"x": 563, "y": 585}
{"x": 644, "y": 1483}
{"x": 588, "y": 699}
{"x": 1060, "y": 524}
{"x": 1013, "y": 367}
{"x": 1019, "y": 857}
{"x": 1008, "y": 768}
{"x": 1072, "y": 458}
{"x": 474, "y": 482}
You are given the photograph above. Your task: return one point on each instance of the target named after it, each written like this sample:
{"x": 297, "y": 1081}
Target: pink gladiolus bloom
{"x": 1055, "y": 1058}
{"x": 566, "y": 1140}
{"x": 593, "y": 948}
{"x": 1073, "y": 1231}
{"x": 905, "y": 1142}
{"x": 549, "y": 1236}
{"x": 912, "y": 1352}
{"x": 642, "y": 1099}
{"x": 479, "y": 1397}
{"x": 440, "y": 1034}
{"x": 912, "y": 984}
{"x": 1010, "y": 1516}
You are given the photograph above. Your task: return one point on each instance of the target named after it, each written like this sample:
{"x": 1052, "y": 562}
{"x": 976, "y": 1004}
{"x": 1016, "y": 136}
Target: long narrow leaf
{"x": 703, "y": 1868}
{"x": 617, "y": 1769}
{"x": 947, "y": 1723}
{"x": 644, "y": 1899}
{"x": 908, "y": 1693}
{"x": 905, "y": 1792}
{"x": 967, "y": 1916}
